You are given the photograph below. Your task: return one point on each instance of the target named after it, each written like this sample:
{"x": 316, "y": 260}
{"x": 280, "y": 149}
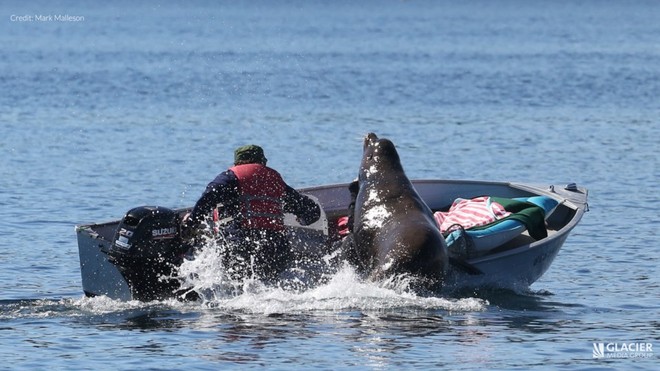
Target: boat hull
{"x": 99, "y": 275}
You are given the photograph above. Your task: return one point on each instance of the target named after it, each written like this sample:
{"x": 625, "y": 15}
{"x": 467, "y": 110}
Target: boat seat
{"x": 483, "y": 239}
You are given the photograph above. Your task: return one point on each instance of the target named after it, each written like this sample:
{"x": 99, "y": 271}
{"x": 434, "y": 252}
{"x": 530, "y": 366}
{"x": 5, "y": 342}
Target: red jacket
{"x": 261, "y": 190}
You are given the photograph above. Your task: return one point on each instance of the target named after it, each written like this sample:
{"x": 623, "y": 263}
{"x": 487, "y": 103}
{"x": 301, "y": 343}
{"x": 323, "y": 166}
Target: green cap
{"x": 249, "y": 154}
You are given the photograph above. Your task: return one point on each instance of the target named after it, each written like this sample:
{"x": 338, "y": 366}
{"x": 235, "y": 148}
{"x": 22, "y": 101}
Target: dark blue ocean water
{"x": 128, "y": 104}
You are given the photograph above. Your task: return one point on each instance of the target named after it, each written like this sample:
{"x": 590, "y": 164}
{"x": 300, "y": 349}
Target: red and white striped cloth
{"x": 470, "y": 213}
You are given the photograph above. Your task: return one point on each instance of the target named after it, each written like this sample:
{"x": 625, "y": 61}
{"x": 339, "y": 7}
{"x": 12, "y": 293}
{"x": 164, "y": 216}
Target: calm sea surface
{"x": 125, "y": 104}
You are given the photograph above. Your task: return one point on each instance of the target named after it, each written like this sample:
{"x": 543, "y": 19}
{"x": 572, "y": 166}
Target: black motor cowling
{"x": 146, "y": 248}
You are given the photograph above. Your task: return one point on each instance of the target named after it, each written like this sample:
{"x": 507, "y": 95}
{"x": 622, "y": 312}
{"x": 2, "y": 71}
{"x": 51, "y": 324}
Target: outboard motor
{"x": 146, "y": 248}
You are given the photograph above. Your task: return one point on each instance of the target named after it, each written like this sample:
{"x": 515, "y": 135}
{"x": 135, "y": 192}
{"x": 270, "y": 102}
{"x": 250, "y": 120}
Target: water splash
{"x": 317, "y": 282}
{"x": 302, "y": 289}
{"x": 69, "y": 307}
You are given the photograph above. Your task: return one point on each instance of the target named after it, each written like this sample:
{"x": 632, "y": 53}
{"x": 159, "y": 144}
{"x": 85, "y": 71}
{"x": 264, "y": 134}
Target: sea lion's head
{"x": 378, "y": 155}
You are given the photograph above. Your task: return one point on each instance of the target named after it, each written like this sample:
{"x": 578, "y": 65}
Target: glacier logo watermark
{"x": 622, "y": 350}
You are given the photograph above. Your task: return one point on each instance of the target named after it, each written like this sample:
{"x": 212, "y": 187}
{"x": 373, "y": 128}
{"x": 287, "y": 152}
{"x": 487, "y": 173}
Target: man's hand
{"x": 188, "y": 230}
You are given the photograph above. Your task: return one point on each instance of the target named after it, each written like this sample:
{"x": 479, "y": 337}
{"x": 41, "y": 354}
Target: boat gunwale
{"x": 577, "y": 204}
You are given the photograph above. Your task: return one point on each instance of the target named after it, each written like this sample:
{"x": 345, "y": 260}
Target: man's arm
{"x": 220, "y": 191}
{"x": 302, "y": 206}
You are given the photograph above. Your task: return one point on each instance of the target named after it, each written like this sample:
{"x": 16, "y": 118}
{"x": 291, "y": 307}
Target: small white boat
{"x": 506, "y": 256}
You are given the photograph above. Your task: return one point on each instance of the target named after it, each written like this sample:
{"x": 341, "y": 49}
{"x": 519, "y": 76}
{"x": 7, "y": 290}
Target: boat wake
{"x": 344, "y": 292}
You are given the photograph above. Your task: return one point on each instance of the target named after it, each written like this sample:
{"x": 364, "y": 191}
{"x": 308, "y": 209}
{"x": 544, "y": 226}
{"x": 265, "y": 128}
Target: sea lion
{"x": 393, "y": 229}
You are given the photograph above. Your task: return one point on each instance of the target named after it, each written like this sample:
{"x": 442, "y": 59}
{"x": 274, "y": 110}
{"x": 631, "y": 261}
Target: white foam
{"x": 343, "y": 290}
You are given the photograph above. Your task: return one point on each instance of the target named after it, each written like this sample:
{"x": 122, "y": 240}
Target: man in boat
{"x": 248, "y": 202}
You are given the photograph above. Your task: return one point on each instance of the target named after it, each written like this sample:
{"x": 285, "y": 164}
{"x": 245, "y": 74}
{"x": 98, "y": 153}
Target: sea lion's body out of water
{"x": 393, "y": 229}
